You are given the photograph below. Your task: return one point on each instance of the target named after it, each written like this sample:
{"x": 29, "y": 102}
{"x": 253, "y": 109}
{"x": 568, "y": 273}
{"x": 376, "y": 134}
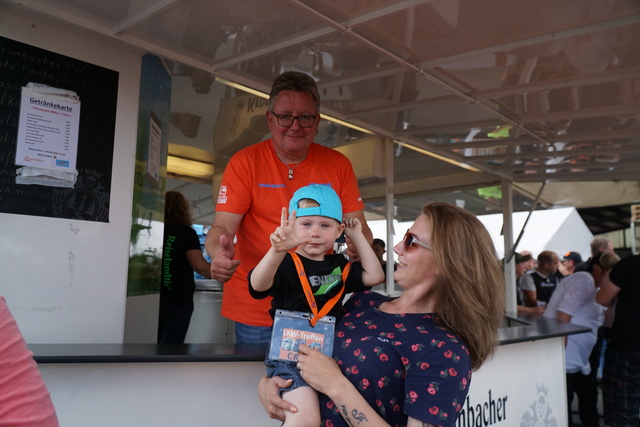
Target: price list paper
{"x": 47, "y": 145}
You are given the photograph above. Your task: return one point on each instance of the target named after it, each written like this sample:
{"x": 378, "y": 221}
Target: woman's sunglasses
{"x": 409, "y": 239}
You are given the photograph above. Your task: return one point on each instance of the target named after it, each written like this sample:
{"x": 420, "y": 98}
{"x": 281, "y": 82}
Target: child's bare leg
{"x": 306, "y": 400}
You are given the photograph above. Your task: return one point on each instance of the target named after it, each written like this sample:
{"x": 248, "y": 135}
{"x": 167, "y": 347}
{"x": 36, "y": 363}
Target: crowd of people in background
{"x": 600, "y": 293}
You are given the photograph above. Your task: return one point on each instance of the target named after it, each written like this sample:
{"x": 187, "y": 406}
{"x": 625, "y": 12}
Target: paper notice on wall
{"x": 47, "y": 146}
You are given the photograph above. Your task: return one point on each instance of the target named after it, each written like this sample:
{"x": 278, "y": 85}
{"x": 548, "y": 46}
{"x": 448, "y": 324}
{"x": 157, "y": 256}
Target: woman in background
{"x": 181, "y": 256}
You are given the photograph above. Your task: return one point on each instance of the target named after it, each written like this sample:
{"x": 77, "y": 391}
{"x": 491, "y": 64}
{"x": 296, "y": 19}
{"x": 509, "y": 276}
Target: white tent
{"x": 559, "y": 230}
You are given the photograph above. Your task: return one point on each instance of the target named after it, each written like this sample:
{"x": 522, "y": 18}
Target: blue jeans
{"x": 249, "y": 334}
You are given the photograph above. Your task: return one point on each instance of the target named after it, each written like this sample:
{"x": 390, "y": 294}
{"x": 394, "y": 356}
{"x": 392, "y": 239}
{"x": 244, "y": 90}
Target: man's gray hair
{"x": 295, "y": 81}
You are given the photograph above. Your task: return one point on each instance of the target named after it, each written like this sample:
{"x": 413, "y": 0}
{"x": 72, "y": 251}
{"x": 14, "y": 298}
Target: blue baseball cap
{"x": 325, "y": 196}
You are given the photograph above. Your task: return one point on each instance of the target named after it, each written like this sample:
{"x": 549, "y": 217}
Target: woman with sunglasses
{"x": 407, "y": 361}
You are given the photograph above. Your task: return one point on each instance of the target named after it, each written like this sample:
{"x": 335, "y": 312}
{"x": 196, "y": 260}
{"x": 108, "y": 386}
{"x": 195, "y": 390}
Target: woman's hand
{"x": 269, "y": 394}
{"x": 319, "y": 371}
{"x": 323, "y": 374}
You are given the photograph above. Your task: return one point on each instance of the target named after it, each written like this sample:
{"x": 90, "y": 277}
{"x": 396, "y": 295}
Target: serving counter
{"x": 215, "y": 384}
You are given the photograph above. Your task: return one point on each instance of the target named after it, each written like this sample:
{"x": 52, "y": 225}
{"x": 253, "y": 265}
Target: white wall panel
{"x": 157, "y": 394}
{"x": 65, "y": 280}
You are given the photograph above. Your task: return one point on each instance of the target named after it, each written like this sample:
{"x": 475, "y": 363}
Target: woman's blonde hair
{"x": 469, "y": 289}
{"x": 176, "y": 209}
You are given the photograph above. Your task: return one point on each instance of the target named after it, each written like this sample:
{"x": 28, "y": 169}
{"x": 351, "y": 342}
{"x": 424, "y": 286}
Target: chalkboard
{"x": 97, "y": 88}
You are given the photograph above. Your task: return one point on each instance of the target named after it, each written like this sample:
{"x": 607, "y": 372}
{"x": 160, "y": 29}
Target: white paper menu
{"x": 47, "y": 145}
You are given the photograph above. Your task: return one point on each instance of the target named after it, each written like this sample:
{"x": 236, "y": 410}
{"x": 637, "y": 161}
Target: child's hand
{"x": 352, "y": 227}
{"x": 283, "y": 239}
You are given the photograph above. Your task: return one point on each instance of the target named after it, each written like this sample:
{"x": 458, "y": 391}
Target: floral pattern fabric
{"x": 403, "y": 364}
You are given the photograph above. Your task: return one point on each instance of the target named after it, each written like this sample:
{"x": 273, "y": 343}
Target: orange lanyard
{"x": 306, "y": 287}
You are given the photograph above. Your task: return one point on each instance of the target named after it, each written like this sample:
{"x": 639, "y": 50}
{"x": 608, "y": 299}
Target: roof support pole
{"x": 389, "y": 147}
{"x": 512, "y": 248}
{"x": 509, "y": 259}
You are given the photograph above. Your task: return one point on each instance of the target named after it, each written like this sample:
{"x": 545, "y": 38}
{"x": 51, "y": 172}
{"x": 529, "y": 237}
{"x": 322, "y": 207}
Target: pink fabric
{"x": 24, "y": 398}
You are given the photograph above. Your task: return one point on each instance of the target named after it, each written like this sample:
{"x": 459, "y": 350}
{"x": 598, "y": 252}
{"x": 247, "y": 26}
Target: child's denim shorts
{"x": 286, "y": 370}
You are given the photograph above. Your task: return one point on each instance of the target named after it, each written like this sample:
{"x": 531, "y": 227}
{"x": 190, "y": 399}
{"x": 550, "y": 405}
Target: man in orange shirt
{"x": 261, "y": 179}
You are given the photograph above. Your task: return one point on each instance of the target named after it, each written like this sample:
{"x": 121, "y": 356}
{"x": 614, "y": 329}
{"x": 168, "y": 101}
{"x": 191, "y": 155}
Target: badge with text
{"x": 292, "y": 328}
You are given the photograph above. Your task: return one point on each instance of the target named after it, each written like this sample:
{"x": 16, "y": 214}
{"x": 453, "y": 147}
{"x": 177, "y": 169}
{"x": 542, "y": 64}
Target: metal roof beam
{"x": 144, "y": 15}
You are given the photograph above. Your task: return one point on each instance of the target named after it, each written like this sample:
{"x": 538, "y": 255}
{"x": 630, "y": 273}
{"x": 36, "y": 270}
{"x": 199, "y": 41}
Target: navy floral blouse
{"x": 403, "y": 364}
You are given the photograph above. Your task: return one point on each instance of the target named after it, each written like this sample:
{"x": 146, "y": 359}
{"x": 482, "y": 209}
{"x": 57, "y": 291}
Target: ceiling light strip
{"x": 242, "y": 87}
{"x": 188, "y": 167}
{"x": 437, "y": 156}
{"x": 347, "y": 124}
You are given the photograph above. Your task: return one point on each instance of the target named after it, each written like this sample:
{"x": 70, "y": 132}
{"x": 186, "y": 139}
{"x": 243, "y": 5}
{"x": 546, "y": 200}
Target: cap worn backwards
{"x": 325, "y": 196}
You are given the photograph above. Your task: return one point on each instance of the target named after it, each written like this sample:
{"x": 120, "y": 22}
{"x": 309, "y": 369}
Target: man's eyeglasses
{"x": 409, "y": 239}
{"x": 286, "y": 120}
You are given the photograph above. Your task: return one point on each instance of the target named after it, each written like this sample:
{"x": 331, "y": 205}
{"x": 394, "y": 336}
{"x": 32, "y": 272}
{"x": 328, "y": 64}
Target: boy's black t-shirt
{"x": 325, "y": 278}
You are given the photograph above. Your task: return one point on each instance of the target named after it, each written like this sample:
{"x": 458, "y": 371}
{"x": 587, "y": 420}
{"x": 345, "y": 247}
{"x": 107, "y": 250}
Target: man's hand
{"x": 222, "y": 263}
{"x": 269, "y": 394}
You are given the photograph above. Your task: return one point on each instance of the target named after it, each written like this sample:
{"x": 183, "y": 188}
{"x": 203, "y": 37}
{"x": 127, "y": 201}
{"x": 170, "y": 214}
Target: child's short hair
{"x": 307, "y": 203}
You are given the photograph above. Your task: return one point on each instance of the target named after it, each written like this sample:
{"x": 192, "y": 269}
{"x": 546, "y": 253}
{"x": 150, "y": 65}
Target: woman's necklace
{"x": 287, "y": 164}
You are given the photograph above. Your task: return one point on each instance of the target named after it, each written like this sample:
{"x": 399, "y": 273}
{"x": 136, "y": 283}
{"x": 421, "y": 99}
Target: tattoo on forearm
{"x": 355, "y": 415}
{"x": 358, "y": 416}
